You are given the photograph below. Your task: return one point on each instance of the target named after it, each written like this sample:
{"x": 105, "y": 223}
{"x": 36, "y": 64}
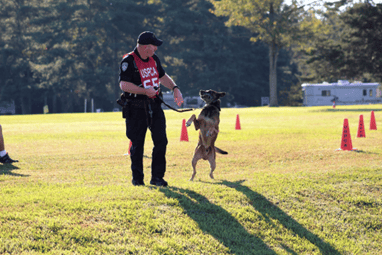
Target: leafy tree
{"x": 269, "y": 21}
{"x": 84, "y": 42}
{"x": 196, "y": 45}
{"x": 16, "y": 81}
{"x": 201, "y": 53}
{"x": 127, "y": 19}
{"x": 314, "y": 55}
{"x": 58, "y": 52}
{"x": 362, "y": 41}
{"x": 54, "y": 65}
{"x": 343, "y": 45}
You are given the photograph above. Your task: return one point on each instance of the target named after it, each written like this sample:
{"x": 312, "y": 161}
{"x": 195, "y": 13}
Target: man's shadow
{"x": 272, "y": 212}
{"x": 217, "y": 222}
{"x": 6, "y": 169}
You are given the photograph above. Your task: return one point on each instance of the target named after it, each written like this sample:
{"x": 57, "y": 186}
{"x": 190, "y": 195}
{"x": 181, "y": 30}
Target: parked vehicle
{"x": 342, "y": 92}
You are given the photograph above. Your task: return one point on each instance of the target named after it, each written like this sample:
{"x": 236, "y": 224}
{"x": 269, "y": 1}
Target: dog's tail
{"x": 220, "y": 151}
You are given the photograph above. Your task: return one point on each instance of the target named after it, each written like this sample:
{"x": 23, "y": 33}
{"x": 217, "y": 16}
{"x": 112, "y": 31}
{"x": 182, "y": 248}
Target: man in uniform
{"x": 141, "y": 74}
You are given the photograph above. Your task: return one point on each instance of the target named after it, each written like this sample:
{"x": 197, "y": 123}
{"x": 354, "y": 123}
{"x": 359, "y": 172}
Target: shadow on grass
{"x": 367, "y": 152}
{"x": 271, "y": 211}
{"x": 217, "y": 222}
{"x": 349, "y": 110}
{"x": 7, "y": 170}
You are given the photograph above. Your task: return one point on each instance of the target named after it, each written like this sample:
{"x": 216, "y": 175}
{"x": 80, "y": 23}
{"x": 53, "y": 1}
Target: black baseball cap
{"x": 148, "y": 37}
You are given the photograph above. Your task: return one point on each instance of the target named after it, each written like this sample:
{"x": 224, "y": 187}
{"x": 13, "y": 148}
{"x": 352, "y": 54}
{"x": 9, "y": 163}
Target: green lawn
{"x": 282, "y": 189}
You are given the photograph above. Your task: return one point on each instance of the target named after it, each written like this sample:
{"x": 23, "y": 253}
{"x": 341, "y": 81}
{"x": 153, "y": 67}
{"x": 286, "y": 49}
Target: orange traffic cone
{"x": 372, "y": 121}
{"x": 130, "y": 146}
{"x": 346, "y": 143}
{"x": 361, "y": 132}
{"x": 184, "y": 132}
{"x": 237, "y": 124}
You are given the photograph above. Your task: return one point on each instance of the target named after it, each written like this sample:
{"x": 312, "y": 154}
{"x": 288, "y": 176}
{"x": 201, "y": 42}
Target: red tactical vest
{"x": 148, "y": 71}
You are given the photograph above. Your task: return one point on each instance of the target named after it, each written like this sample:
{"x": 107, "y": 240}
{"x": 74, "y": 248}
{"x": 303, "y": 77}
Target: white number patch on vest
{"x": 151, "y": 83}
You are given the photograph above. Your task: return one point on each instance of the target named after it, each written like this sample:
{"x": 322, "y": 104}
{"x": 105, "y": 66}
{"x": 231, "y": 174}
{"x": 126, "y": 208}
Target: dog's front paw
{"x": 190, "y": 121}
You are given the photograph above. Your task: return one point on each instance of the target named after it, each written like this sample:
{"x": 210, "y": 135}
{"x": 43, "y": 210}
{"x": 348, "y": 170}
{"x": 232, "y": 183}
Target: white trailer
{"x": 342, "y": 92}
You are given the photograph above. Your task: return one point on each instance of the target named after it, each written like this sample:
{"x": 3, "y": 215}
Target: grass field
{"x": 282, "y": 189}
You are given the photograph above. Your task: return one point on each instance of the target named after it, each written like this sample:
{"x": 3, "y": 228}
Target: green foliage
{"x": 67, "y": 50}
{"x": 346, "y": 45}
{"x": 206, "y": 54}
{"x": 15, "y": 53}
{"x": 292, "y": 96}
{"x": 73, "y": 49}
{"x": 272, "y": 22}
{"x": 362, "y": 39}
{"x": 62, "y": 52}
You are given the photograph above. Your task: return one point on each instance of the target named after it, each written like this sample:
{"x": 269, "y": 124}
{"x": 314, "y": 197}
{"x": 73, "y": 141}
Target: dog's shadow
{"x": 217, "y": 222}
{"x": 7, "y": 169}
{"x": 271, "y": 213}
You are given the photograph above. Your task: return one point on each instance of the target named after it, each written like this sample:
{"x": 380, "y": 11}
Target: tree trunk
{"x": 273, "y": 56}
{"x": 116, "y": 88}
{"x": 54, "y": 102}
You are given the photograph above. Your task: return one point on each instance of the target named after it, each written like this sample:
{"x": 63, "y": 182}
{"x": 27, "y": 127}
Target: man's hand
{"x": 151, "y": 92}
{"x": 169, "y": 83}
{"x": 178, "y": 97}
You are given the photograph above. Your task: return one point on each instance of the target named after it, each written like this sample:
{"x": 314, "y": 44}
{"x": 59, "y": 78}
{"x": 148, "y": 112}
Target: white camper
{"x": 342, "y": 92}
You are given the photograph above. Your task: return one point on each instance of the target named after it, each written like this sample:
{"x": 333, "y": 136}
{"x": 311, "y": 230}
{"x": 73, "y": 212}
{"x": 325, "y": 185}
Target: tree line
{"x": 60, "y": 52}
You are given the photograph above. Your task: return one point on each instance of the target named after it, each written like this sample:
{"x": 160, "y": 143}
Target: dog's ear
{"x": 222, "y": 94}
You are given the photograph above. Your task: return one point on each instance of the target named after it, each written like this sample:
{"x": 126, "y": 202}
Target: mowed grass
{"x": 282, "y": 189}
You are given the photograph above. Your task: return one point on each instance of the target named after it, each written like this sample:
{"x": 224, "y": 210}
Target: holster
{"x": 126, "y": 111}
{"x": 130, "y": 104}
{"x": 124, "y": 103}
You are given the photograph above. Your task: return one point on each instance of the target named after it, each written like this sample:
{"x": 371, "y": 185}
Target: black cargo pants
{"x": 140, "y": 118}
